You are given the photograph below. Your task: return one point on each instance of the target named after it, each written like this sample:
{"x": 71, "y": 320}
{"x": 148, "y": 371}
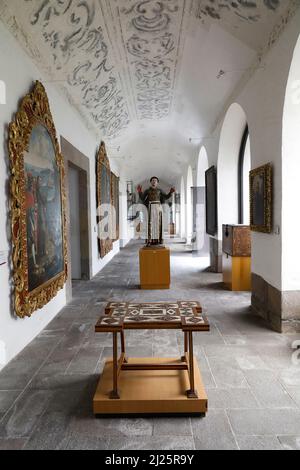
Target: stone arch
{"x": 290, "y": 177}
{"x": 231, "y": 136}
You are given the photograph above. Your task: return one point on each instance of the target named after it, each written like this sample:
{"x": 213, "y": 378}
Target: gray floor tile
{"x": 290, "y": 442}
{"x": 85, "y": 361}
{"x": 213, "y": 432}
{"x": 12, "y": 444}
{"x": 259, "y": 443}
{"x": 294, "y": 393}
{"x": 265, "y": 422}
{"x": 139, "y": 443}
{"x": 231, "y": 399}
{"x": 71, "y": 382}
{"x": 246, "y": 368}
{"x": 84, "y": 424}
{"x": 290, "y": 377}
{"x": 227, "y": 373}
{"x": 164, "y": 426}
{"x": 21, "y": 418}
{"x": 273, "y": 396}
{"x": 7, "y": 399}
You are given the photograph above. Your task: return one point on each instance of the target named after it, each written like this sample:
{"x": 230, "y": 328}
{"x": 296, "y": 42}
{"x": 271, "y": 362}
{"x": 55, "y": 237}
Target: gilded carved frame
{"x": 264, "y": 172}
{"x": 105, "y": 245}
{"x": 34, "y": 110}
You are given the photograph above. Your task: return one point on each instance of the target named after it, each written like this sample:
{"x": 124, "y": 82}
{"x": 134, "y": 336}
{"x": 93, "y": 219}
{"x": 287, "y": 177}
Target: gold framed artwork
{"x": 261, "y": 199}
{"x": 104, "y": 202}
{"x": 38, "y": 201}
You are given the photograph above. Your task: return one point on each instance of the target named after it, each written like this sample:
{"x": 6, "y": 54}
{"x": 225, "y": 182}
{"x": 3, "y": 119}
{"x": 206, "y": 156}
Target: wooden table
{"x": 182, "y": 315}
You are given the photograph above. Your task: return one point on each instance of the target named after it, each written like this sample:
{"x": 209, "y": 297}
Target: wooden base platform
{"x": 150, "y": 392}
{"x": 155, "y": 268}
{"x": 237, "y": 273}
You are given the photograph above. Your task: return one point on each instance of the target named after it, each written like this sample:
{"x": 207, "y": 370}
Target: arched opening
{"x": 201, "y": 241}
{"x": 290, "y": 184}
{"x": 189, "y": 205}
{"x": 231, "y": 137}
{"x": 182, "y": 210}
{"x": 243, "y": 181}
{"x": 202, "y": 166}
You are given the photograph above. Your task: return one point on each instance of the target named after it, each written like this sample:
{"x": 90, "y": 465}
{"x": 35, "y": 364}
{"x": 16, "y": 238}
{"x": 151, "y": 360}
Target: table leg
{"x": 123, "y": 346}
{"x": 114, "y": 394}
{"x": 183, "y": 358}
{"x": 192, "y": 392}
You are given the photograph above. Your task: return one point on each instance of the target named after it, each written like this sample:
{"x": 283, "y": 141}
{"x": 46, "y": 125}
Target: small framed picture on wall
{"x": 261, "y": 199}
{"x": 211, "y": 201}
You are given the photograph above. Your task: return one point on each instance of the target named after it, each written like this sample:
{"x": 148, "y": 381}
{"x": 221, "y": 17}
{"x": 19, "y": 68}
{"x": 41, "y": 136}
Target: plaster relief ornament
{"x": 151, "y": 15}
{"x": 152, "y": 32}
{"x": 73, "y": 32}
{"x": 153, "y": 198}
{"x": 247, "y": 10}
{"x": 155, "y": 48}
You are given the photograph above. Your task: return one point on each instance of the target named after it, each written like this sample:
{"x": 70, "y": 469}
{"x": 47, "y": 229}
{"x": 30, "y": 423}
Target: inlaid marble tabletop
{"x": 181, "y": 315}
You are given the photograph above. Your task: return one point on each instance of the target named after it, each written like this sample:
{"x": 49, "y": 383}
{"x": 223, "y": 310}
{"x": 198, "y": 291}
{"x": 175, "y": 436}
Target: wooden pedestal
{"x": 237, "y": 272}
{"x": 150, "y": 391}
{"x": 155, "y": 268}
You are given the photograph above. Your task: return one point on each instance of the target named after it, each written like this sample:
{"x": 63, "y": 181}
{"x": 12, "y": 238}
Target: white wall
{"x": 189, "y": 206}
{"x": 202, "y": 166}
{"x": 262, "y": 98}
{"x": 263, "y": 101}
{"x": 19, "y": 73}
{"x": 290, "y": 178}
{"x": 246, "y": 183}
{"x": 230, "y": 143}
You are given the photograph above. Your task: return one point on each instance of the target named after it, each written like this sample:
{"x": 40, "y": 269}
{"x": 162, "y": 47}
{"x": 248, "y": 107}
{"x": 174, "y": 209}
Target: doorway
{"x": 79, "y": 227}
{"x": 76, "y": 235}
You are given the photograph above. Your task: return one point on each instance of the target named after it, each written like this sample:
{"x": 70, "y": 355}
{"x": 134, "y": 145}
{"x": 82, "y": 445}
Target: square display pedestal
{"x": 155, "y": 268}
{"x": 150, "y": 391}
{"x": 237, "y": 273}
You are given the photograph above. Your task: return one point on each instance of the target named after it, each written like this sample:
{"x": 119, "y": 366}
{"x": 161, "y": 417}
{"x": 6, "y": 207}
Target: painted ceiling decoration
{"x": 240, "y": 16}
{"x": 151, "y": 32}
{"x": 73, "y": 32}
{"x": 248, "y": 10}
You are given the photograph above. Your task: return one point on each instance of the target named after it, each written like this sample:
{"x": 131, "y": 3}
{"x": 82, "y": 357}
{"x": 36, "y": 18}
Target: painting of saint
{"x": 104, "y": 201}
{"x": 43, "y": 205}
{"x": 258, "y": 200}
{"x": 261, "y": 199}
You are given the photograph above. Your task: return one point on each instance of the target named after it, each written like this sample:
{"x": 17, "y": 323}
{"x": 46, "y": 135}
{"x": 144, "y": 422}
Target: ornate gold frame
{"x": 267, "y": 172}
{"x": 34, "y": 109}
{"x": 102, "y": 161}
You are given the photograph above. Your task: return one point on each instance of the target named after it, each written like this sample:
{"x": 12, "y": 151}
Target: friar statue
{"x": 153, "y": 198}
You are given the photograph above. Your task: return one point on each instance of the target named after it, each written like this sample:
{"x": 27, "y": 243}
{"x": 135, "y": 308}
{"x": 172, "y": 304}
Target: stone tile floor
{"x": 252, "y": 383}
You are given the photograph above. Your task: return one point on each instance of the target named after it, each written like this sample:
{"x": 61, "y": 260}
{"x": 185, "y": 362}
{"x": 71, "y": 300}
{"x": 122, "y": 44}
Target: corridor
{"x": 252, "y": 381}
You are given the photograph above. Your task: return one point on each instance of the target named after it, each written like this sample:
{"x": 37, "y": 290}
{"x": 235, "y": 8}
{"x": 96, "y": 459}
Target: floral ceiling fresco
{"x": 117, "y": 61}
{"x": 152, "y": 32}
{"x": 248, "y": 10}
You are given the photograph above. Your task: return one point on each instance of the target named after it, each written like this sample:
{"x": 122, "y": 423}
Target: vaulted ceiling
{"x": 150, "y": 77}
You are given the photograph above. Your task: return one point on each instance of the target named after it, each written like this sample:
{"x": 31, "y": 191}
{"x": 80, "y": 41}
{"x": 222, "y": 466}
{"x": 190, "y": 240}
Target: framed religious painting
{"x": 115, "y": 190}
{"x": 37, "y": 205}
{"x": 104, "y": 202}
{"x": 211, "y": 201}
{"x": 261, "y": 199}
